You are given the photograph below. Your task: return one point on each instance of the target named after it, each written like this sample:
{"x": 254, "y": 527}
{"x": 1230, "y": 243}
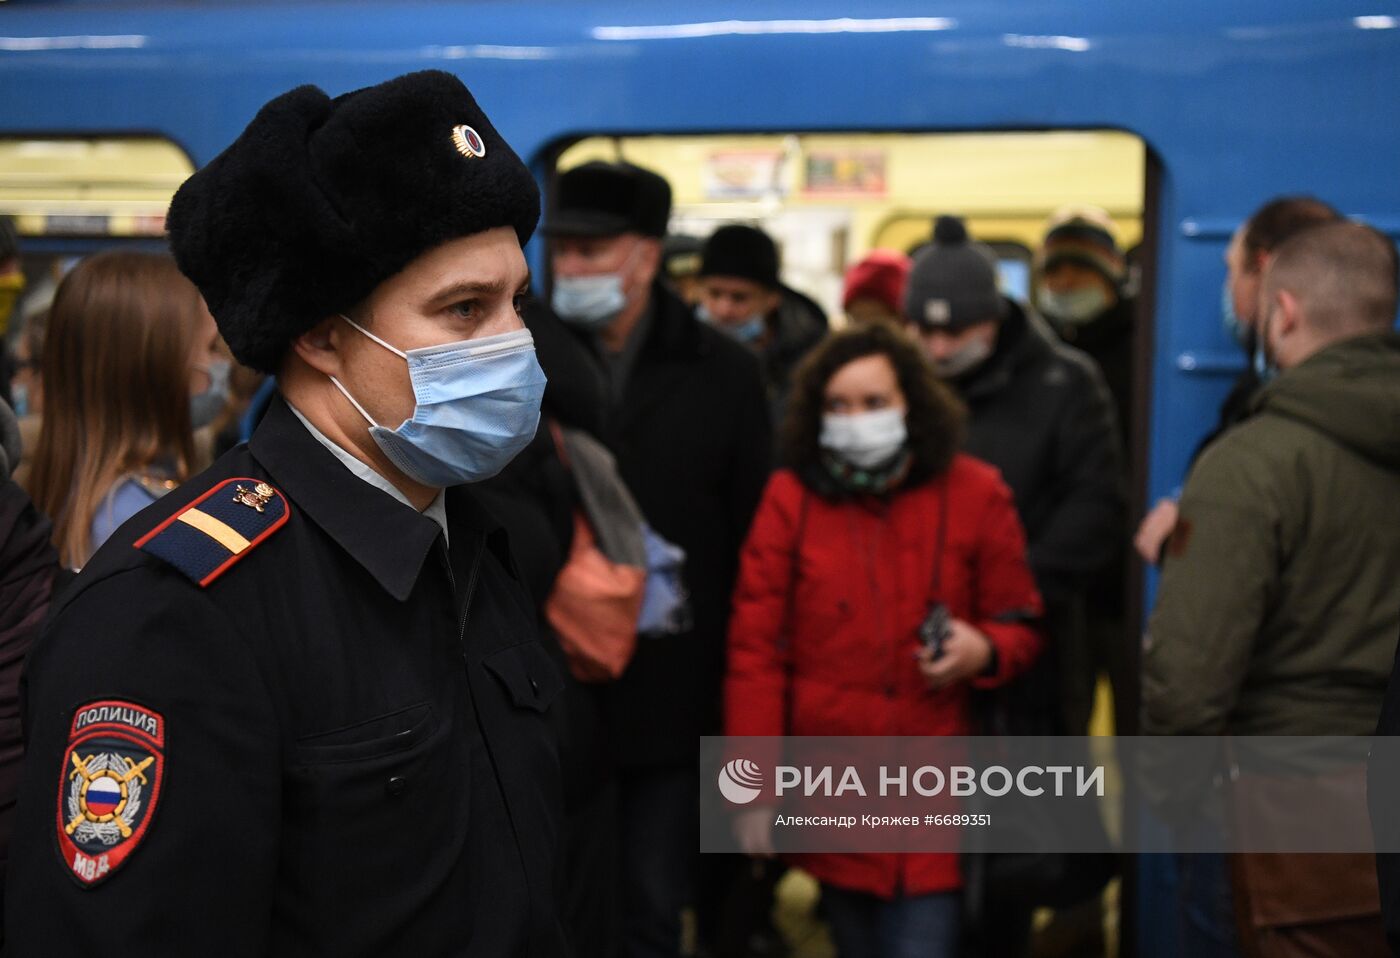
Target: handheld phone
{"x": 936, "y": 628}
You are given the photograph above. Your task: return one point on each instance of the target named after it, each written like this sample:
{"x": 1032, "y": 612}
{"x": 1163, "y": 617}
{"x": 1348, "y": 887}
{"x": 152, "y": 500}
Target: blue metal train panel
{"x": 1236, "y": 101}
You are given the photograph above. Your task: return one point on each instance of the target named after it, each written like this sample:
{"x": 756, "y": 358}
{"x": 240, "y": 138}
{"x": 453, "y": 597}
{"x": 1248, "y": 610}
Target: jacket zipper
{"x": 875, "y": 535}
{"x": 868, "y": 536}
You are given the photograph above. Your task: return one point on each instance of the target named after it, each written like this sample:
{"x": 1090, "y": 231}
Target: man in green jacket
{"x": 1278, "y": 610}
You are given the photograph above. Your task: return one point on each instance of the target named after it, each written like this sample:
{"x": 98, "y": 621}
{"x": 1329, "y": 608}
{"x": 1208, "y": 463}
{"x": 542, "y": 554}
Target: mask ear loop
{"x": 397, "y": 352}
{"x": 360, "y": 409}
{"x": 624, "y": 271}
{"x": 345, "y": 392}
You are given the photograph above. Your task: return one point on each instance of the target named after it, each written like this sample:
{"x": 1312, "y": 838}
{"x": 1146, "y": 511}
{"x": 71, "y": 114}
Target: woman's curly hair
{"x": 934, "y": 419}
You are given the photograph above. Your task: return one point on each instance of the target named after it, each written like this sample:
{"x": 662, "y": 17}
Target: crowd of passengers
{"x": 804, "y": 493}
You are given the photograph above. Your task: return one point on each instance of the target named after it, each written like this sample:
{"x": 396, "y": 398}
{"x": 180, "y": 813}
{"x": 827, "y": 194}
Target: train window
{"x": 70, "y": 196}
{"x": 1014, "y": 265}
{"x": 829, "y": 198}
{"x": 89, "y": 186}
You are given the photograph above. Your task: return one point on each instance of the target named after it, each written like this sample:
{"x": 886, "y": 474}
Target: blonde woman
{"x": 129, "y": 343}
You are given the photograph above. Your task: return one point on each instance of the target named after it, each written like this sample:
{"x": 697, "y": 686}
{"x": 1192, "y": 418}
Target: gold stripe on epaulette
{"x": 216, "y": 529}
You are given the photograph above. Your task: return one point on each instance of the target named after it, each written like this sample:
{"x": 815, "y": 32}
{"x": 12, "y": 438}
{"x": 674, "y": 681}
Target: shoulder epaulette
{"x": 209, "y": 535}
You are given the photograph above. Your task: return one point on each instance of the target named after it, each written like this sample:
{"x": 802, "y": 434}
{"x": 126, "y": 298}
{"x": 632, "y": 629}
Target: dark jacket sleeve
{"x": 28, "y": 568}
{"x": 1084, "y": 532}
{"x": 200, "y": 871}
{"x": 1007, "y": 605}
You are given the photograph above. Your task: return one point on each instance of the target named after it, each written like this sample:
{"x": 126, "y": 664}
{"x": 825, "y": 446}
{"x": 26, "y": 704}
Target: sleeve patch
{"x": 109, "y": 786}
{"x": 219, "y": 528}
{"x": 1180, "y": 538}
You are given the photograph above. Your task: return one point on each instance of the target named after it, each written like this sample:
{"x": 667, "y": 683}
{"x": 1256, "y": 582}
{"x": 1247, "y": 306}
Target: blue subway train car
{"x": 1232, "y": 103}
{"x": 844, "y": 122}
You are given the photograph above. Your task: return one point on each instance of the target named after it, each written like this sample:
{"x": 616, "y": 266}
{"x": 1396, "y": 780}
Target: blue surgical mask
{"x": 593, "y": 302}
{"x": 206, "y": 406}
{"x": 748, "y": 331}
{"x": 1075, "y": 307}
{"x": 1233, "y": 324}
{"x": 1264, "y": 366}
{"x": 477, "y": 404}
{"x": 589, "y": 302}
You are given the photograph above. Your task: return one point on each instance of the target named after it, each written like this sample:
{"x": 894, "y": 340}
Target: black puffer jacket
{"x": 1108, "y": 340}
{"x": 1039, "y": 411}
{"x": 796, "y": 326}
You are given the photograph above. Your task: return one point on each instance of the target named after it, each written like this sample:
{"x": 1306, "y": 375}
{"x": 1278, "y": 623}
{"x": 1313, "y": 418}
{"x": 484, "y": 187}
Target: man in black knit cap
{"x": 742, "y": 295}
{"x": 297, "y": 706}
{"x": 1038, "y": 411}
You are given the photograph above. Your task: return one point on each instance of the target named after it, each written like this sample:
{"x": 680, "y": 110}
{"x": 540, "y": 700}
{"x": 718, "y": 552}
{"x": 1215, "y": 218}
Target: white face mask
{"x": 1076, "y": 307}
{"x": 864, "y": 439}
{"x": 969, "y": 355}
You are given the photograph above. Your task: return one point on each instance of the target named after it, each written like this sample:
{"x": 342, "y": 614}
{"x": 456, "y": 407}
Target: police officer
{"x": 296, "y": 707}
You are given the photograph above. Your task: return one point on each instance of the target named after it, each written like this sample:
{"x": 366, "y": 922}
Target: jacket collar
{"x": 673, "y": 331}
{"x": 674, "y": 335}
{"x": 1111, "y": 325}
{"x": 388, "y": 538}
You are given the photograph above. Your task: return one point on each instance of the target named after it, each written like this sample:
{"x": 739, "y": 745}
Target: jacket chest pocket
{"x": 527, "y": 674}
{"x": 523, "y": 683}
{"x": 365, "y": 799}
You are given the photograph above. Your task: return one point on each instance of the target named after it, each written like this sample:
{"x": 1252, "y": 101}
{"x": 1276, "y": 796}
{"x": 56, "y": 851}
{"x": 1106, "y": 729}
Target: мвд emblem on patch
{"x": 109, "y": 786}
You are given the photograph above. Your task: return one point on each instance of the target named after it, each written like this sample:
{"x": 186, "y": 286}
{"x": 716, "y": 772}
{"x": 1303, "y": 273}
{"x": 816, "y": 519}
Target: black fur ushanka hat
{"x": 320, "y": 200}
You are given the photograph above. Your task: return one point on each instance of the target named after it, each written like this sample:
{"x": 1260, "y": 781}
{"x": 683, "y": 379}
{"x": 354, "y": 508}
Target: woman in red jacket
{"x": 876, "y": 520}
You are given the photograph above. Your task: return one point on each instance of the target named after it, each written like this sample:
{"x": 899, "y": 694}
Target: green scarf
{"x": 875, "y": 481}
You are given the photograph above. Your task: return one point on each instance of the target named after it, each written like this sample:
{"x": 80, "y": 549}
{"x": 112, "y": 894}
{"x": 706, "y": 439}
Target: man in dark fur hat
{"x": 298, "y": 705}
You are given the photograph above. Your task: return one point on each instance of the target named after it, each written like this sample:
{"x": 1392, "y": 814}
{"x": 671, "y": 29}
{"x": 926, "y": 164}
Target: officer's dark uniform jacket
{"x": 355, "y": 755}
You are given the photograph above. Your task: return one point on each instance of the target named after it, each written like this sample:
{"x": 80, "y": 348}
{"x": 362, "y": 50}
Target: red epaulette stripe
{"x": 221, "y": 569}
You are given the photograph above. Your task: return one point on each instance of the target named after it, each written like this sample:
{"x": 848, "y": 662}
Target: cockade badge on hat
{"x": 468, "y": 142}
